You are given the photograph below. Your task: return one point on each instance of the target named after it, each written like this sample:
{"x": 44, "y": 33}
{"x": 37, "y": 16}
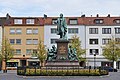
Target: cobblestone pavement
{"x": 13, "y": 76}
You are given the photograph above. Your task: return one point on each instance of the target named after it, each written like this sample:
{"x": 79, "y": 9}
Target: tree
{"x": 41, "y": 54}
{"x": 6, "y": 51}
{"x": 76, "y": 43}
{"x": 111, "y": 51}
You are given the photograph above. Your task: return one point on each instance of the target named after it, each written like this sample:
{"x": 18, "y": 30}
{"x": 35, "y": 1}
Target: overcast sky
{"x": 29, "y": 8}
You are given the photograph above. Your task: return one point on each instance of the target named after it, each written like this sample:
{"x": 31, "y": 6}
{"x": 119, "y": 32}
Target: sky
{"x": 75, "y": 8}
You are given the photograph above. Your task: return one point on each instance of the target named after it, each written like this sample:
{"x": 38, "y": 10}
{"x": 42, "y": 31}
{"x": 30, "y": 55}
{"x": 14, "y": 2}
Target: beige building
{"x": 24, "y": 34}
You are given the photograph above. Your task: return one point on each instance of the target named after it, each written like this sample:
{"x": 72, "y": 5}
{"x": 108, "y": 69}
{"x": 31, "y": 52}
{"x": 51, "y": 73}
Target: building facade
{"x": 73, "y": 28}
{"x": 99, "y": 31}
{"x": 0, "y": 44}
{"x": 0, "y": 36}
{"x": 94, "y": 32}
{"x": 24, "y": 34}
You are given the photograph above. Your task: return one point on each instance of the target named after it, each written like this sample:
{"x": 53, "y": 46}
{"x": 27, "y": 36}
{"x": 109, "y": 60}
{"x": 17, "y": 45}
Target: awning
{"x": 12, "y": 60}
{"x": 33, "y": 60}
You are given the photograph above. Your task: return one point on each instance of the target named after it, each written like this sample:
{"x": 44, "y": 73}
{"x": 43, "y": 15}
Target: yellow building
{"x": 24, "y": 34}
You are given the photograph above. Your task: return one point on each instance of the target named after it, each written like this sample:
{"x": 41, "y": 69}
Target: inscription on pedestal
{"x": 62, "y": 49}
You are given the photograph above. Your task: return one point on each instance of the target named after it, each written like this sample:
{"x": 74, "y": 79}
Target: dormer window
{"x": 117, "y": 21}
{"x": 29, "y": 21}
{"x": 73, "y": 21}
{"x": 54, "y": 21}
{"x": 99, "y": 21}
{"x": 17, "y": 21}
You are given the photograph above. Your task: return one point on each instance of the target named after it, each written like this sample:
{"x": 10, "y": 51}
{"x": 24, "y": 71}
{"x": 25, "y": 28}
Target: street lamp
{"x": 94, "y": 59}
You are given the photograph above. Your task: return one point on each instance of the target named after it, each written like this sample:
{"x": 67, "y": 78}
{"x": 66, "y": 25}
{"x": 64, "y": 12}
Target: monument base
{"x": 62, "y": 64}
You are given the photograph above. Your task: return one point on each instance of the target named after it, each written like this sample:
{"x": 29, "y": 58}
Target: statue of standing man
{"x": 61, "y": 27}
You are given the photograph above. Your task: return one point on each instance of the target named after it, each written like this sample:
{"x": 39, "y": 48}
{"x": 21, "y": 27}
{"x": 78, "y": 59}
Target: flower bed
{"x": 60, "y": 72}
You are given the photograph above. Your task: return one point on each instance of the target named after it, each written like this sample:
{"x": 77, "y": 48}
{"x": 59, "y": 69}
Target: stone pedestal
{"x": 62, "y": 50}
{"x": 62, "y": 64}
{"x": 62, "y": 56}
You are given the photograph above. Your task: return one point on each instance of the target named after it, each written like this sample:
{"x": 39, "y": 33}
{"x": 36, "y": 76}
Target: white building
{"x": 73, "y": 28}
{"x": 97, "y": 35}
{"x": 94, "y": 32}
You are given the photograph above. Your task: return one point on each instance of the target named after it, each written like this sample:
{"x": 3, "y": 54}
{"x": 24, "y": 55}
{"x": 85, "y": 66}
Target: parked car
{"x": 108, "y": 68}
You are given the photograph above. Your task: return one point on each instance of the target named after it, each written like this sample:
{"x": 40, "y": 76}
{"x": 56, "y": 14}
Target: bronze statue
{"x": 52, "y": 54}
{"x": 61, "y": 27}
{"x": 72, "y": 55}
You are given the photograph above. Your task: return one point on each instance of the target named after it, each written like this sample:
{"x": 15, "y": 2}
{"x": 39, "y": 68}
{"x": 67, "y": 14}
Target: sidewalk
{"x": 9, "y": 71}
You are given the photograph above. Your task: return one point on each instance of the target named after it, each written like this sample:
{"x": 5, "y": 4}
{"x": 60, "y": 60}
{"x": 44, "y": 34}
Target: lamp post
{"x": 94, "y": 59}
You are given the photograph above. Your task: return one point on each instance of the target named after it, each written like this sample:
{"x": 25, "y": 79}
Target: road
{"x": 13, "y": 76}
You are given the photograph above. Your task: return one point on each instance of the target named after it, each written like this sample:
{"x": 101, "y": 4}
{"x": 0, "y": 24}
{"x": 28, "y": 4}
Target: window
{"x": 99, "y": 21}
{"x": 18, "y": 41}
{"x": 117, "y": 30}
{"x": 93, "y": 41}
{"x": 12, "y": 30}
{"x": 17, "y": 21}
{"x": 29, "y": 41}
{"x": 53, "y": 41}
{"x": 18, "y": 31}
{"x": 29, "y": 31}
{"x": 72, "y": 30}
{"x": 106, "y": 30}
{"x": 117, "y": 21}
{"x": 92, "y": 51}
{"x": 34, "y": 51}
{"x": 28, "y": 51}
{"x": 35, "y": 31}
{"x": 54, "y": 21}
{"x": 29, "y": 21}
{"x": 35, "y": 41}
{"x": 93, "y": 30}
{"x": 18, "y": 51}
{"x": 12, "y": 41}
{"x": 105, "y": 40}
{"x": 12, "y": 64}
{"x": 53, "y": 30}
{"x": 73, "y": 21}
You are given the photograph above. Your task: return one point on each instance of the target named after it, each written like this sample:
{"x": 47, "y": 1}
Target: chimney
{"x": 83, "y": 15}
{"x": 7, "y": 16}
{"x": 108, "y": 15}
{"x": 45, "y": 16}
{"x": 97, "y": 15}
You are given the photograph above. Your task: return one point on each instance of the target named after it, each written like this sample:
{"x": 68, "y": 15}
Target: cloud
{"x": 55, "y": 7}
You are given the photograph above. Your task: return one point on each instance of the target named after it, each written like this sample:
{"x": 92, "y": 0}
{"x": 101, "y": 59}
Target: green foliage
{"x": 7, "y": 50}
{"x": 41, "y": 54}
{"x": 76, "y": 43}
{"x": 111, "y": 51}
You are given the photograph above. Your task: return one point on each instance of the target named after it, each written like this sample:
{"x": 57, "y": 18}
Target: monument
{"x": 62, "y": 55}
